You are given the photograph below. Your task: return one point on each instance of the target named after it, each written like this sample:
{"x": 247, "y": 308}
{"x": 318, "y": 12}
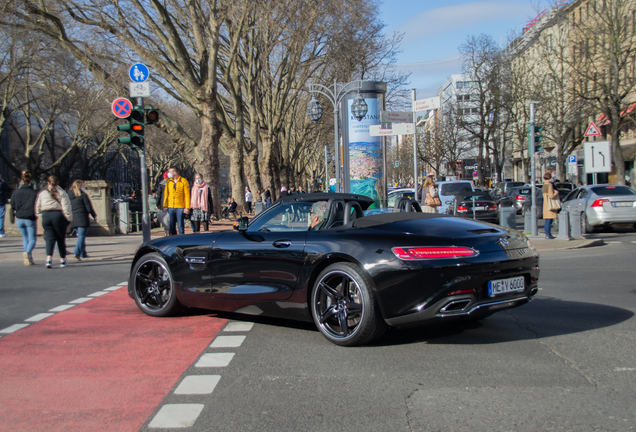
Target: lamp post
{"x": 359, "y": 109}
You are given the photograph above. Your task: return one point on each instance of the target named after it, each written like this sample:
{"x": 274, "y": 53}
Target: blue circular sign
{"x": 139, "y": 72}
{"x": 122, "y": 107}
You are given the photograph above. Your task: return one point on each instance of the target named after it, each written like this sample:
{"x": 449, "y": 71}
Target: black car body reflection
{"x": 353, "y": 275}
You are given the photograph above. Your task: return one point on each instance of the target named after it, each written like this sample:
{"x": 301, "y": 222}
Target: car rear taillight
{"x": 462, "y": 209}
{"x": 493, "y": 207}
{"x": 599, "y": 202}
{"x": 520, "y": 198}
{"x": 436, "y": 252}
{"x": 466, "y": 291}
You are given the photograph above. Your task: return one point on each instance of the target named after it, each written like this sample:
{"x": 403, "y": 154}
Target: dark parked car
{"x": 501, "y": 188}
{"x": 516, "y": 197}
{"x": 474, "y": 205}
{"x": 352, "y": 275}
{"x": 528, "y": 202}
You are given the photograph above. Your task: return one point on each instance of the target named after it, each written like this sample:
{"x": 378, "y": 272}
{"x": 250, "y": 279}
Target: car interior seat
{"x": 335, "y": 214}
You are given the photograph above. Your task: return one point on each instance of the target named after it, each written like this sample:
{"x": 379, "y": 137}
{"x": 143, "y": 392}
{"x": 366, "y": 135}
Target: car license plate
{"x": 503, "y": 286}
{"x": 624, "y": 204}
{"x": 480, "y": 208}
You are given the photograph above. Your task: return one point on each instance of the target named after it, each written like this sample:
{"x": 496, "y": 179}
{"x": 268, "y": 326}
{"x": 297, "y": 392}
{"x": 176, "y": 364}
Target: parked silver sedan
{"x": 602, "y": 206}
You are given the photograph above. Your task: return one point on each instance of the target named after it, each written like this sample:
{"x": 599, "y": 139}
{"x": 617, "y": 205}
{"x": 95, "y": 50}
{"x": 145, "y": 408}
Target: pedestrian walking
{"x": 201, "y": 202}
{"x": 54, "y": 208}
{"x": 176, "y": 200}
{"x": 23, "y": 204}
{"x": 430, "y": 197}
{"x": 82, "y": 208}
{"x": 248, "y": 200}
{"x": 5, "y": 194}
{"x": 283, "y": 192}
{"x": 263, "y": 198}
{"x": 268, "y": 197}
{"x": 549, "y": 193}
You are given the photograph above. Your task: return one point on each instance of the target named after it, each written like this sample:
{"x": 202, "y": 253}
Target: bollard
{"x": 508, "y": 217}
{"x": 527, "y": 222}
{"x": 564, "y": 226}
{"x": 124, "y": 218}
{"x": 575, "y": 226}
{"x": 258, "y": 207}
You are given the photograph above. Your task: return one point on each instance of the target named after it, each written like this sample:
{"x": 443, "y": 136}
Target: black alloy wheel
{"x": 153, "y": 286}
{"x": 344, "y": 308}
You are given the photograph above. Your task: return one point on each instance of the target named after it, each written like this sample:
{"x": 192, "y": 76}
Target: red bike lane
{"x": 101, "y": 366}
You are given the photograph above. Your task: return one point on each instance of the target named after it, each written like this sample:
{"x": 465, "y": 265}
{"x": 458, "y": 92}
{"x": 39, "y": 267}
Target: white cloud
{"x": 433, "y": 22}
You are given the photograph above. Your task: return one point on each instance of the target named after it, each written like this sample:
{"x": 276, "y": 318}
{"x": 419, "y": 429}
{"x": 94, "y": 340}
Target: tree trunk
{"x": 237, "y": 172}
{"x": 617, "y": 156}
{"x": 207, "y": 152}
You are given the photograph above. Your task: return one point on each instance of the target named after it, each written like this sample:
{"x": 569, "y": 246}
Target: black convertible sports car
{"x": 318, "y": 257}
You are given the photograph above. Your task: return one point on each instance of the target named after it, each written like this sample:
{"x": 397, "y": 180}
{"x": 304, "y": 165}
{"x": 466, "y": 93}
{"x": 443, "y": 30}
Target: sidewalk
{"x": 542, "y": 244}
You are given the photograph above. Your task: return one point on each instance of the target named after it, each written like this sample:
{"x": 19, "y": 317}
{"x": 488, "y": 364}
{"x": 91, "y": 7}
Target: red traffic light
{"x": 137, "y": 127}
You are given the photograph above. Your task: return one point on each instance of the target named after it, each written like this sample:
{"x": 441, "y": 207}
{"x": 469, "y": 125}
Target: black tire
{"x": 343, "y": 295}
{"x": 586, "y": 228}
{"x": 153, "y": 286}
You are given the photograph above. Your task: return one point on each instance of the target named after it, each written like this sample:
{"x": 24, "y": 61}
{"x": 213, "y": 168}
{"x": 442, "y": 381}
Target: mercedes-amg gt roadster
{"x": 318, "y": 257}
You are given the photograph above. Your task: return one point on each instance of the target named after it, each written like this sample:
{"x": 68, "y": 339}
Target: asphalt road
{"x": 566, "y": 361}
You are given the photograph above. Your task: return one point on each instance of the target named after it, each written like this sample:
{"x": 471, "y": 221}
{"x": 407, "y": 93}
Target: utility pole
{"x": 413, "y": 98}
{"x": 533, "y": 209}
{"x": 145, "y": 218}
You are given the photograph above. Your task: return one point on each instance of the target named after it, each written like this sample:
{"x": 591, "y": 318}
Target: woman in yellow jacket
{"x": 176, "y": 200}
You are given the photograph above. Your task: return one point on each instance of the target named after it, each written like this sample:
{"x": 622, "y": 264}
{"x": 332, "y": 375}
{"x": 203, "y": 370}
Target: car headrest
{"x": 357, "y": 212}
{"x": 405, "y": 204}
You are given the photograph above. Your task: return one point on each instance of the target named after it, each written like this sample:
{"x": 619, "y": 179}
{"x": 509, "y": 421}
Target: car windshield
{"x": 291, "y": 216}
{"x": 455, "y": 188}
{"x": 613, "y": 190}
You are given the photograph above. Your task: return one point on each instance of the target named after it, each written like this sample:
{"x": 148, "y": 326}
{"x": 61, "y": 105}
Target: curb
{"x": 586, "y": 244}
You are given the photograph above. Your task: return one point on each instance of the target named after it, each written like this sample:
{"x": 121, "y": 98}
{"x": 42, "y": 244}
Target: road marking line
{"x": 113, "y": 288}
{"x": 176, "y": 416}
{"x": 38, "y": 317}
{"x": 227, "y": 342}
{"x": 122, "y": 283}
{"x": 215, "y": 360}
{"x": 81, "y": 300}
{"x": 238, "y": 326}
{"x": 98, "y": 293}
{"x": 633, "y": 241}
{"x": 61, "y": 308}
{"x": 14, "y": 327}
{"x": 624, "y": 369}
{"x": 197, "y": 385}
{"x": 614, "y": 242}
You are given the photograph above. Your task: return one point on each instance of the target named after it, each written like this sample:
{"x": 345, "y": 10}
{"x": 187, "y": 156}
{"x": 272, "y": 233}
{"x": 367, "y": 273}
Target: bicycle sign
{"x": 138, "y": 73}
{"x": 122, "y": 108}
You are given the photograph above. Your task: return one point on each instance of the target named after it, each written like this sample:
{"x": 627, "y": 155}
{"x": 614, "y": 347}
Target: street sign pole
{"x": 415, "y": 176}
{"x": 533, "y": 208}
{"x": 145, "y": 217}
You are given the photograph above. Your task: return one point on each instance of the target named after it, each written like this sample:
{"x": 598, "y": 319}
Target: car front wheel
{"x": 344, "y": 307}
{"x": 153, "y": 286}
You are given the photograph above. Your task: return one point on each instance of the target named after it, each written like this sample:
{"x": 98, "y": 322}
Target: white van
{"x": 448, "y": 189}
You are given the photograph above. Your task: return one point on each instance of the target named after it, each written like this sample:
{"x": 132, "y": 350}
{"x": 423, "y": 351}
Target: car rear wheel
{"x": 586, "y": 228}
{"x": 344, "y": 307}
{"x": 153, "y": 286}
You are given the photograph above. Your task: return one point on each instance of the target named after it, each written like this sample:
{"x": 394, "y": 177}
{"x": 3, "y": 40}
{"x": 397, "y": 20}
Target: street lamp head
{"x": 314, "y": 110}
{"x": 359, "y": 107}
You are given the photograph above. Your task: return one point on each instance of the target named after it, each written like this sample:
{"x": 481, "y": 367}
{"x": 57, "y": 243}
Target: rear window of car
{"x": 526, "y": 191}
{"x": 515, "y": 184}
{"x": 476, "y": 196}
{"x": 613, "y": 190}
{"x": 454, "y": 188}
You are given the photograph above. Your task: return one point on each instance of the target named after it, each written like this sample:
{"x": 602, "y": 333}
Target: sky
{"x": 434, "y": 30}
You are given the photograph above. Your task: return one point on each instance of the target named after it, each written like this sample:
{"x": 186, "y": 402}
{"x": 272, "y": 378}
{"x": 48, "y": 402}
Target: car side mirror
{"x": 241, "y": 224}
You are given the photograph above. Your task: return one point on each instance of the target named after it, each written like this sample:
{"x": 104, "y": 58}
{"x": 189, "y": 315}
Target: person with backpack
{"x": 23, "y": 204}
{"x": 54, "y": 208}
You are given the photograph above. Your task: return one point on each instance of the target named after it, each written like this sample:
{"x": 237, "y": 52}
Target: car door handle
{"x": 282, "y": 243}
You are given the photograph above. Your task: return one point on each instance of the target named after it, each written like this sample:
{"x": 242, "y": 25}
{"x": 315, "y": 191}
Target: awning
{"x": 604, "y": 121}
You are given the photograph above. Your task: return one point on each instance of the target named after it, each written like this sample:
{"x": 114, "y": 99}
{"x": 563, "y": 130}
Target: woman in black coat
{"x": 82, "y": 208}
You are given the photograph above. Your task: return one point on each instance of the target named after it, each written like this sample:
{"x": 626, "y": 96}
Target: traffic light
{"x": 134, "y": 128}
{"x": 152, "y": 115}
{"x": 538, "y": 138}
